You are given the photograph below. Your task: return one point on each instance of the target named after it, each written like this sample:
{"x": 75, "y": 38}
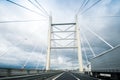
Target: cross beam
{"x": 69, "y": 33}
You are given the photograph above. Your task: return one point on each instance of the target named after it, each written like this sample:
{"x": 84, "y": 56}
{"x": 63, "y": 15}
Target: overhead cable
{"x": 89, "y": 45}
{"x": 84, "y": 50}
{"x": 41, "y": 7}
{"x": 36, "y": 6}
{"x": 29, "y": 57}
{"x": 36, "y": 67}
{"x": 81, "y": 7}
{"x": 84, "y": 5}
{"x": 25, "y": 8}
{"x": 100, "y": 38}
{"x": 91, "y": 6}
{"x": 19, "y": 21}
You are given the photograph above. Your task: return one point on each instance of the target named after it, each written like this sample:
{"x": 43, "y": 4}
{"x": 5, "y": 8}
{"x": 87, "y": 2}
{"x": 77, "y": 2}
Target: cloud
{"x": 17, "y": 40}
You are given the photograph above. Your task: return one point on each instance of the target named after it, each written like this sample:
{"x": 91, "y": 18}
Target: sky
{"x": 24, "y": 44}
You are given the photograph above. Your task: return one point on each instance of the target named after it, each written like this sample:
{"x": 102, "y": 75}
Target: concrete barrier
{"x": 14, "y": 72}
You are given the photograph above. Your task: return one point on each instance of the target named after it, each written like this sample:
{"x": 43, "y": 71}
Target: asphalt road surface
{"x": 73, "y": 76}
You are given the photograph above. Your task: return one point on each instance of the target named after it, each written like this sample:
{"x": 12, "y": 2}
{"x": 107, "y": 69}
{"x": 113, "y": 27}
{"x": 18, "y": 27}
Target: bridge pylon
{"x": 69, "y": 33}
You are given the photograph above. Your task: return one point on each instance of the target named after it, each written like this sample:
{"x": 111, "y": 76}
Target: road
{"x": 40, "y": 76}
{"x": 72, "y": 76}
{"x": 60, "y": 75}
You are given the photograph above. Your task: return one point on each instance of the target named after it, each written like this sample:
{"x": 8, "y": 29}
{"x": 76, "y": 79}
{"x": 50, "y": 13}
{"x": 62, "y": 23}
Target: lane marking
{"x": 58, "y": 76}
{"x": 75, "y": 76}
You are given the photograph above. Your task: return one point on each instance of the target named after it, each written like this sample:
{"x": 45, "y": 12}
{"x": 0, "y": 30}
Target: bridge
{"x": 76, "y": 40}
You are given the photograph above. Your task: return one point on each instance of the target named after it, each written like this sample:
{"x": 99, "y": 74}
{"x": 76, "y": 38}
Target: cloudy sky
{"x": 24, "y": 44}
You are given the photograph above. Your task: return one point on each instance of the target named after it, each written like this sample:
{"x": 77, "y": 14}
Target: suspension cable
{"x": 104, "y": 16}
{"x": 100, "y": 38}
{"x": 29, "y": 57}
{"x": 41, "y": 7}
{"x": 84, "y": 5}
{"x": 25, "y": 8}
{"x": 36, "y": 67}
{"x": 84, "y": 50}
{"x": 19, "y": 21}
{"x": 81, "y": 7}
{"x": 91, "y": 6}
{"x": 6, "y": 51}
{"x": 36, "y": 6}
{"x": 89, "y": 45}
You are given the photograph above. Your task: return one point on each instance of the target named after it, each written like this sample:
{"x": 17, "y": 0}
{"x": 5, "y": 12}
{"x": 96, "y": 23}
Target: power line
{"x": 91, "y": 6}
{"x": 35, "y": 6}
{"x": 19, "y": 21}
{"x": 41, "y": 7}
{"x": 25, "y": 7}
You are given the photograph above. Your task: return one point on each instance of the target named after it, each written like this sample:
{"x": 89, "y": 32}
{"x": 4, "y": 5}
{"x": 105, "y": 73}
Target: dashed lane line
{"x": 75, "y": 76}
{"x": 58, "y": 76}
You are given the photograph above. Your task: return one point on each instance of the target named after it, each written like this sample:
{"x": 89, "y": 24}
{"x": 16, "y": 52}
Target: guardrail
{"x": 25, "y": 74}
{"x": 5, "y": 72}
{"x": 41, "y": 76}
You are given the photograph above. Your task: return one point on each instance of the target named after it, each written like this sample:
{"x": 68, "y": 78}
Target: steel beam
{"x": 63, "y": 24}
{"x": 63, "y": 47}
{"x": 62, "y": 31}
{"x": 63, "y": 39}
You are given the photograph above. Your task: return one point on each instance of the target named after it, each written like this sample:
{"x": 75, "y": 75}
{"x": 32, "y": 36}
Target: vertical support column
{"x": 49, "y": 45}
{"x": 79, "y": 46}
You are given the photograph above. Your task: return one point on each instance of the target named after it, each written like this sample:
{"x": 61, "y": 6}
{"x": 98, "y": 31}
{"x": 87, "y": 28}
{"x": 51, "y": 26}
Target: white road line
{"x": 75, "y": 76}
{"x": 58, "y": 76}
